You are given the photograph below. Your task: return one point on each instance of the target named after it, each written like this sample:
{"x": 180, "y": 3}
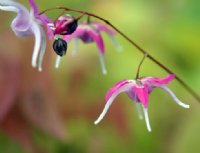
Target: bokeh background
{"x": 53, "y": 111}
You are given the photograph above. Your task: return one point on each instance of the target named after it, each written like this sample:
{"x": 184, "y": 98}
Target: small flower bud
{"x": 65, "y": 25}
{"x": 60, "y": 47}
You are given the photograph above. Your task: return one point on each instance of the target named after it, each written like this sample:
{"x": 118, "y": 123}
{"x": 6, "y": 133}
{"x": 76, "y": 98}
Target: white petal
{"x": 42, "y": 49}
{"x": 6, "y": 2}
{"x": 9, "y": 8}
{"x": 138, "y": 110}
{"x": 116, "y": 43}
{"x": 147, "y": 119}
{"x": 58, "y": 60}
{"x": 102, "y": 63}
{"x": 75, "y": 47}
{"x": 174, "y": 97}
{"x": 110, "y": 101}
{"x": 37, "y": 33}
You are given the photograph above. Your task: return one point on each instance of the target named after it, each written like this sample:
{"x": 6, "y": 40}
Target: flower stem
{"x": 139, "y": 66}
{"x": 88, "y": 19}
{"x": 190, "y": 90}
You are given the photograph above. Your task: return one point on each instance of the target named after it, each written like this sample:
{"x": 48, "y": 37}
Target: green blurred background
{"x": 167, "y": 29}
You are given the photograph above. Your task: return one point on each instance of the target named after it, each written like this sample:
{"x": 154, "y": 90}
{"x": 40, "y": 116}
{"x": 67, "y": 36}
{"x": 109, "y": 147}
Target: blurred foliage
{"x": 169, "y": 30}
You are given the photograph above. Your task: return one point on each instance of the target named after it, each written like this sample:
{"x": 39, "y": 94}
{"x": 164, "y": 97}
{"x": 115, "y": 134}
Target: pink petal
{"x": 109, "y": 102}
{"x": 49, "y": 32}
{"x": 103, "y": 27}
{"x": 87, "y": 34}
{"x": 79, "y": 32}
{"x": 115, "y": 88}
{"x": 34, "y": 7}
{"x": 160, "y": 81}
{"x": 142, "y": 94}
{"x": 98, "y": 39}
{"x": 45, "y": 20}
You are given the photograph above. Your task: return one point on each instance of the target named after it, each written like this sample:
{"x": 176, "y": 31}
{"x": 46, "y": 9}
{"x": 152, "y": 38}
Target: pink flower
{"x": 91, "y": 32}
{"x": 139, "y": 90}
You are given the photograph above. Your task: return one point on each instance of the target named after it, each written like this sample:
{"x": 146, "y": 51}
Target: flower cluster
{"x": 63, "y": 30}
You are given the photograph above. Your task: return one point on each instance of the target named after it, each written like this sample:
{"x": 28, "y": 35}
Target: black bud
{"x": 72, "y": 27}
{"x": 60, "y": 47}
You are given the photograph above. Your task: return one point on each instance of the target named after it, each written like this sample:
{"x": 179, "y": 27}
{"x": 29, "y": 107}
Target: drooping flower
{"x": 139, "y": 90}
{"x": 29, "y": 23}
{"x": 91, "y": 32}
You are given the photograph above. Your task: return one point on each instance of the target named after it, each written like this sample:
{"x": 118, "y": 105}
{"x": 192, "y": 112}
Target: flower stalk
{"x": 139, "y": 67}
{"x": 190, "y": 90}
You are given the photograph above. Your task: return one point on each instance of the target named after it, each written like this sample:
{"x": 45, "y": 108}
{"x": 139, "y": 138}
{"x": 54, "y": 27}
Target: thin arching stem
{"x": 139, "y": 66}
{"x": 190, "y": 90}
{"x": 78, "y": 18}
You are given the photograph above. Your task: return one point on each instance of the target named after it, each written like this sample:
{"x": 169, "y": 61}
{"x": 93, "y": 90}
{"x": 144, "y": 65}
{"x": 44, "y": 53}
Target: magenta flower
{"x": 139, "y": 90}
{"x": 29, "y": 23}
{"x": 91, "y": 32}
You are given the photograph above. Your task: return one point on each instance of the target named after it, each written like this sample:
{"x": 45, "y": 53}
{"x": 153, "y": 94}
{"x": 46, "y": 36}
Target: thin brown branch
{"x": 190, "y": 90}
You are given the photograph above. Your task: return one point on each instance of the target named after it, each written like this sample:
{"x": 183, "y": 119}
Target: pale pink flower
{"x": 139, "y": 90}
{"x": 29, "y": 24}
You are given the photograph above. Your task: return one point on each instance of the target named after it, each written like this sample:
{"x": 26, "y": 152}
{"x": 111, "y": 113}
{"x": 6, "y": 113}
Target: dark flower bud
{"x": 65, "y": 25}
{"x": 60, "y": 47}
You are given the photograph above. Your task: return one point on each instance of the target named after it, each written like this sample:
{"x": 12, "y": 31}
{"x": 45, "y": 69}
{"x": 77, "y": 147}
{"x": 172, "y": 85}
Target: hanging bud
{"x": 60, "y": 47}
{"x": 65, "y": 25}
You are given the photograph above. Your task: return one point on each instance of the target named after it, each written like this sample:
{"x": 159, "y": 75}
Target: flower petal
{"x": 21, "y": 23}
{"x": 42, "y": 48}
{"x": 75, "y": 47}
{"x": 79, "y": 32}
{"x": 111, "y": 99}
{"x": 147, "y": 119}
{"x": 98, "y": 39}
{"x": 115, "y": 88}
{"x": 111, "y": 33}
{"x": 138, "y": 110}
{"x": 102, "y": 63}
{"x": 42, "y": 18}
{"x": 159, "y": 81}
{"x": 34, "y": 7}
{"x": 37, "y": 33}
{"x": 102, "y": 27}
{"x": 116, "y": 43}
{"x": 142, "y": 94}
{"x": 174, "y": 97}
